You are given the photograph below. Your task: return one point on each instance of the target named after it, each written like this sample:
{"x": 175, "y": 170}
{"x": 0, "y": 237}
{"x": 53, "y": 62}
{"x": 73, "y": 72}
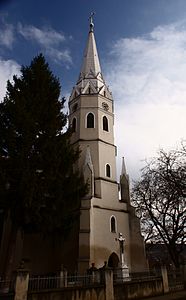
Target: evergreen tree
{"x": 40, "y": 190}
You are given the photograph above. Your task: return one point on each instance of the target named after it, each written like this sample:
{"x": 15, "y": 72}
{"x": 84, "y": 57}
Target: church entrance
{"x": 113, "y": 261}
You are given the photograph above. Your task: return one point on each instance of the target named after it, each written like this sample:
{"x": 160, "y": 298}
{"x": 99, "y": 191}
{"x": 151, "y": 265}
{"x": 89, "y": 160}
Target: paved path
{"x": 181, "y": 295}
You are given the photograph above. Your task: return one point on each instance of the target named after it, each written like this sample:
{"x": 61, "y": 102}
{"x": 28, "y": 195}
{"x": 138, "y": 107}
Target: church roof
{"x": 90, "y": 80}
{"x": 91, "y": 63}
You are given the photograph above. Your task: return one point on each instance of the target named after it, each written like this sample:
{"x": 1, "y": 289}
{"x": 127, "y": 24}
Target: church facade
{"x": 103, "y": 214}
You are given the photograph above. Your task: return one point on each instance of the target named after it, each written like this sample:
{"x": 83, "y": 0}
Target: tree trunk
{"x": 174, "y": 255}
{"x": 10, "y": 254}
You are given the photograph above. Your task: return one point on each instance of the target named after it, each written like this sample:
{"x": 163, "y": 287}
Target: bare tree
{"x": 160, "y": 200}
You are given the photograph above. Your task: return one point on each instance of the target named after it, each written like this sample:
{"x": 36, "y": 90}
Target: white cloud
{"x": 148, "y": 81}
{"x": 45, "y": 37}
{"x": 8, "y": 68}
{"x": 49, "y": 39}
{"x": 58, "y": 55}
{"x": 6, "y": 34}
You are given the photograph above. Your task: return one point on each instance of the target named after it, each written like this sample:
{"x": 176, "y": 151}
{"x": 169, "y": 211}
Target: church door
{"x": 113, "y": 260}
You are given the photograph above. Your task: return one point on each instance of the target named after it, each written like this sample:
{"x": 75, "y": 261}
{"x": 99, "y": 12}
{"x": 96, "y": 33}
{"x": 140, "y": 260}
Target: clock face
{"x": 105, "y": 106}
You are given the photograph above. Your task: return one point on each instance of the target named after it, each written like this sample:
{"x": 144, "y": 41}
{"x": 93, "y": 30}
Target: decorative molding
{"x": 106, "y": 179}
{"x": 94, "y": 140}
{"x": 111, "y": 209}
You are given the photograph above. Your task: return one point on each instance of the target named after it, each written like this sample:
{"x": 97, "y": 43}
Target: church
{"x": 106, "y": 212}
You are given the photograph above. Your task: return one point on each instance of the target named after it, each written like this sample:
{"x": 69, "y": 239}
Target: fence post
{"x": 63, "y": 278}
{"x": 21, "y": 284}
{"x": 165, "y": 279}
{"x": 109, "y": 285}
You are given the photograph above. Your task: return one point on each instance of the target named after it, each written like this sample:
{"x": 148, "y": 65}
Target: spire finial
{"x": 123, "y": 170}
{"x": 91, "y": 21}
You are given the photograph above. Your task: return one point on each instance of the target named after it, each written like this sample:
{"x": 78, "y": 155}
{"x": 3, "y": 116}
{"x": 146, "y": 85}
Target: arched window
{"x": 108, "y": 170}
{"x": 113, "y": 224}
{"x": 74, "y": 125}
{"x": 105, "y": 123}
{"x": 90, "y": 120}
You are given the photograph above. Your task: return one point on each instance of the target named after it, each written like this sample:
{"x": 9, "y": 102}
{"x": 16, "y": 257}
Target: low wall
{"x": 138, "y": 289}
{"x": 122, "y": 291}
{"x": 106, "y": 289}
{"x": 81, "y": 293}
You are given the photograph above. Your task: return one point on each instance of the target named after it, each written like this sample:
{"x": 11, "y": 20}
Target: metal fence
{"x": 175, "y": 280}
{"x": 120, "y": 276}
{"x": 83, "y": 280}
{"x": 175, "y": 277}
{"x": 96, "y": 278}
{"x": 6, "y": 286}
{"x": 57, "y": 282}
{"x": 43, "y": 283}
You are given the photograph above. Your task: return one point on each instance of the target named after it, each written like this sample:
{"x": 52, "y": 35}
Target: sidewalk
{"x": 179, "y": 295}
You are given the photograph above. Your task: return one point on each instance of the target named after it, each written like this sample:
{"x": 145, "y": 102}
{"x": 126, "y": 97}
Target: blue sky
{"x": 142, "y": 48}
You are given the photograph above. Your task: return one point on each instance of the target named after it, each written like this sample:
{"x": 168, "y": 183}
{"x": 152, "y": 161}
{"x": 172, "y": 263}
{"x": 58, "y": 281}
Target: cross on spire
{"x": 91, "y": 21}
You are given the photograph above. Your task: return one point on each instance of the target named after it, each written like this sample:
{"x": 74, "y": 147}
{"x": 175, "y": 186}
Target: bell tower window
{"x": 74, "y": 123}
{"x": 90, "y": 120}
{"x": 105, "y": 123}
{"x": 108, "y": 172}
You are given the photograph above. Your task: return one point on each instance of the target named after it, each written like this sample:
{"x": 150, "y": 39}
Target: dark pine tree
{"x": 40, "y": 190}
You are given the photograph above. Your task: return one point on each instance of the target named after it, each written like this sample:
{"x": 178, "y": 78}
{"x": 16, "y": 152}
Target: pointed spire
{"x": 91, "y": 60}
{"x": 123, "y": 169}
{"x": 124, "y": 183}
{"x": 90, "y": 80}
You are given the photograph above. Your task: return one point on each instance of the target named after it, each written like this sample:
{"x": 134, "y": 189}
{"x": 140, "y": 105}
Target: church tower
{"x": 103, "y": 215}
